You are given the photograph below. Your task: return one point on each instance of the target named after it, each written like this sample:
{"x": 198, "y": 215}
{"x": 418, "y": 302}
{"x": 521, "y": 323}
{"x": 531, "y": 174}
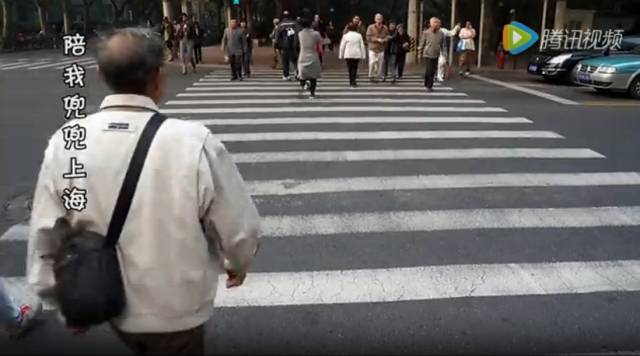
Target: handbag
{"x": 460, "y": 46}
{"x": 88, "y": 282}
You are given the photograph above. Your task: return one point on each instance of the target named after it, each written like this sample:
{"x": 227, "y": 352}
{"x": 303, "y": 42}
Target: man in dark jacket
{"x": 287, "y": 43}
{"x": 390, "y": 53}
{"x": 234, "y": 47}
{"x": 403, "y": 45}
{"x": 248, "y": 54}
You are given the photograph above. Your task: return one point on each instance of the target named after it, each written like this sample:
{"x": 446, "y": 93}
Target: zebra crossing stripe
{"x": 68, "y": 61}
{"x": 23, "y": 65}
{"x": 429, "y": 154}
{"x": 80, "y": 61}
{"x": 293, "y": 92}
{"x": 325, "y": 73}
{"x": 10, "y": 64}
{"x": 416, "y": 283}
{"x": 448, "y": 220}
{"x": 431, "y": 282}
{"x": 381, "y": 135}
{"x": 365, "y": 120}
{"x": 325, "y": 101}
{"x": 271, "y": 81}
{"x": 455, "y": 181}
{"x": 212, "y": 87}
{"x": 332, "y": 108}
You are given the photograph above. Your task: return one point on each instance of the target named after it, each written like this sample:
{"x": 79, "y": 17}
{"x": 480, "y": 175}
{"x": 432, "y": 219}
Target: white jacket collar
{"x": 128, "y": 101}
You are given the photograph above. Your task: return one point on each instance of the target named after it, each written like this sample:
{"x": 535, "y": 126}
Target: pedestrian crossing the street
{"x": 45, "y": 63}
{"x": 410, "y": 174}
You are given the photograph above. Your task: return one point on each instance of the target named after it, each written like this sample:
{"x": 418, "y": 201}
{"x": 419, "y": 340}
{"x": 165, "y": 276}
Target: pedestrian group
{"x": 299, "y": 46}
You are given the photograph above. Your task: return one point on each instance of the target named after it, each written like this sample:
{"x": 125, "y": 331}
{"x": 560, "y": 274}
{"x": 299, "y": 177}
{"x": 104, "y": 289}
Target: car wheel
{"x": 634, "y": 89}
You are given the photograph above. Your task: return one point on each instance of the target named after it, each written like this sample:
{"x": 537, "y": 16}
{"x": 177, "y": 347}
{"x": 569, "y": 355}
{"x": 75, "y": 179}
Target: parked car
{"x": 611, "y": 73}
{"x": 560, "y": 65}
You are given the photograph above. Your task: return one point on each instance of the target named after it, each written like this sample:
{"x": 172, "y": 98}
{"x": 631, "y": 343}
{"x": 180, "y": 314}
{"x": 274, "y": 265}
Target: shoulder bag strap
{"x": 123, "y": 204}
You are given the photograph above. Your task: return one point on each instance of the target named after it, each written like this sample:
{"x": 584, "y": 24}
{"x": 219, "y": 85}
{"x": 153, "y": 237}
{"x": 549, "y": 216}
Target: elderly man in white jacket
{"x": 190, "y": 219}
{"x": 352, "y": 49}
{"x": 443, "y": 60}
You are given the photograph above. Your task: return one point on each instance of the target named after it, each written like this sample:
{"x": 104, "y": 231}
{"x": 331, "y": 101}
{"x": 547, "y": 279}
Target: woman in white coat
{"x": 352, "y": 49}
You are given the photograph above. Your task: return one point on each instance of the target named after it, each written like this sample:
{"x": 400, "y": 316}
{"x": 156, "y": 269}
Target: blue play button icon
{"x": 517, "y": 37}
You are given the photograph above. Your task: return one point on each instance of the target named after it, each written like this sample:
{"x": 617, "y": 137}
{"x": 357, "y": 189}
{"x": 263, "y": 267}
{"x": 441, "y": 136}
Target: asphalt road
{"x": 479, "y": 219}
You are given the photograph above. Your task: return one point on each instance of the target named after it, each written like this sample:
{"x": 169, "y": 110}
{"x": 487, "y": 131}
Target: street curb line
{"x": 519, "y": 88}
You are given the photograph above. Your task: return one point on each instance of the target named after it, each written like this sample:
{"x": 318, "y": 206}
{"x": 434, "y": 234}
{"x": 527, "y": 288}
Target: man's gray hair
{"x": 129, "y": 58}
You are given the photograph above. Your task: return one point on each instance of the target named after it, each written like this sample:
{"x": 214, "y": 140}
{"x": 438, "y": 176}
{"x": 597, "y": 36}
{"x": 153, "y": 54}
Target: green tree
{"x": 7, "y": 22}
{"x": 66, "y": 18}
{"x": 86, "y": 7}
{"x": 43, "y": 8}
{"x": 118, "y": 10}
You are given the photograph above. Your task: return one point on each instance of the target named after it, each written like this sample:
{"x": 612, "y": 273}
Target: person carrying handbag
{"x": 466, "y": 47}
{"x": 140, "y": 239}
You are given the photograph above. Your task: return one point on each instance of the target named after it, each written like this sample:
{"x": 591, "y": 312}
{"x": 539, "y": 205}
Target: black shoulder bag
{"x": 89, "y": 288}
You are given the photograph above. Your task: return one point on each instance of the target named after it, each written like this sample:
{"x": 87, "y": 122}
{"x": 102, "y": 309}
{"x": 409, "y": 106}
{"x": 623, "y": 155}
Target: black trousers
{"x": 288, "y": 57}
{"x": 352, "y": 66}
{"x": 188, "y": 342}
{"x": 246, "y": 63}
{"x": 197, "y": 52}
{"x": 313, "y": 84}
{"x": 236, "y": 66}
{"x": 401, "y": 59}
{"x": 430, "y": 71}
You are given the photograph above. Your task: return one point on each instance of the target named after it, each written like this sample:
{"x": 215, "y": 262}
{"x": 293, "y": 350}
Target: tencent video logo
{"x": 517, "y": 38}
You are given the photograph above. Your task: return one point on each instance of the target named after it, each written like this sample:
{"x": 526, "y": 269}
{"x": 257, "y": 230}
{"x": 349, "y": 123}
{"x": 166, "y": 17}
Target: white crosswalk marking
{"x": 366, "y": 120}
{"x": 381, "y": 135}
{"x": 246, "y": 87}
{"x": 343, "y": 94}
{"x": 80, "y": 61}
{"x": 419, "y": 101}
{"x": 420, "y": 108}
{"x": 46, "y": 63}
{"x": 23, "y": 65}
{"x": 315, "y": 186}
{"x": 10, "y": 64}
{"x": 432, "y": 154}
{"x": 421, "y": 283}
{"x": 328, "y": 224}
{"x": 401, "y": 143}
{"x": 65, "y": 62}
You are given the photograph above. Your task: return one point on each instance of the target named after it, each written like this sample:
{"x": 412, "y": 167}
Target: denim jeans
{"x": 8, "y": 310}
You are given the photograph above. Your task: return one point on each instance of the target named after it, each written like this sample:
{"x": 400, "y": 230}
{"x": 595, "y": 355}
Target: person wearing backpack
{"x": 140, "y": 239}
{"x": 288, "y": 45}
